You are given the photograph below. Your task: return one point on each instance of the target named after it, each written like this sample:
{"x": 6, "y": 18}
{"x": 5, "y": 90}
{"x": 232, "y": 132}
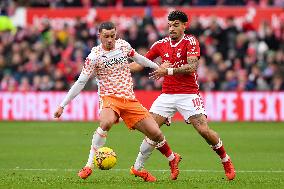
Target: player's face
{"x": 107, "y": 38}
{"x": 176, "y": 29}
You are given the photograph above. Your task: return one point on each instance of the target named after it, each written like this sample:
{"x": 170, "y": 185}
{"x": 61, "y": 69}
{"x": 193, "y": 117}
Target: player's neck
{"x": 106, "y": 49}
{"x": 175, "y": 41}
{"x": 178, "y": 39}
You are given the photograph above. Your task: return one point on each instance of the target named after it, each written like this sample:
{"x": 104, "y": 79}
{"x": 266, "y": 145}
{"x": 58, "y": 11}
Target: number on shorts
{"x": 197, "y": 102}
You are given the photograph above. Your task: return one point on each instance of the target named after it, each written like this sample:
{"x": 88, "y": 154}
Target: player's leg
{"x": 146, "y": 149}
{"x": 160, "y": 110}
{"x": 107, "y": 118}
{"x": 192, "y": 108}
{"x": 199, "y": 122}
{"x": 155, "y": 138}
{"x": 147, "y": 146}
{"x": 160, "y": 120}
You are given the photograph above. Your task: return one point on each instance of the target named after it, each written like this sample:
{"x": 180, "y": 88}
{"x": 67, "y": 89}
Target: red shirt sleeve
{"x": 193, "y": 48}
{"x": 154, "y": 52}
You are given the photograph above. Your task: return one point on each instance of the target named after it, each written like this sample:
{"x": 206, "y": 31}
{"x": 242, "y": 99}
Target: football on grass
{"x": 105, "y": 158}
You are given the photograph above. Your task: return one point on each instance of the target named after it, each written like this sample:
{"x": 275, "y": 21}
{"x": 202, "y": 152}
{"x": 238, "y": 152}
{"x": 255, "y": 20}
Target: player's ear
{"x": 184, "y": 24}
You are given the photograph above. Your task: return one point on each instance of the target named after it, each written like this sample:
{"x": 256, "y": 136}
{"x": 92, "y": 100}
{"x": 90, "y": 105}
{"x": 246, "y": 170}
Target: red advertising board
{"x": 220, "y": 106}
{"x": 41, "y": 105}
{"x": 58, "y": 17}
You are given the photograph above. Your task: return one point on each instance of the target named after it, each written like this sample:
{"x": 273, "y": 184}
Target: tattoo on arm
{"x": 188, "y": 68}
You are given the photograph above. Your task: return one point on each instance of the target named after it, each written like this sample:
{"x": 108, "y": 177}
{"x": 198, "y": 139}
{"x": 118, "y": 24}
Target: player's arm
{"x": 142, "y": 60}
{"x": 76, "y": 88}
{"x": 193, "y": 53}
{"x": 164, "y": 69}
{"x": 190, "y": 67}
{"x": 134, "y": 67}
{"x": 139, "y": 65}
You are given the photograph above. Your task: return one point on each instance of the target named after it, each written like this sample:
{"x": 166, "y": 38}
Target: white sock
{"x": 99, "y": 140}
{"x": 218, "y": 145}
{"x": 225, "y": 158}
{"x": 146, "y": 148}
{"x": 171, "y": 157}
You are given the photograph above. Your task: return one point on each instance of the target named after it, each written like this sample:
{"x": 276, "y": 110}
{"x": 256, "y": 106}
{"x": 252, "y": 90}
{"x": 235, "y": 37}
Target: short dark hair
{"x": 107, "y": 26}
{"x": 177, "y": 15}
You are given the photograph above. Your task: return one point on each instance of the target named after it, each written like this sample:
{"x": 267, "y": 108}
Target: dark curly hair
{"x": 177, "y": 15}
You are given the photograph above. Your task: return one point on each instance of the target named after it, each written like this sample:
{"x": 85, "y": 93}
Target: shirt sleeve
{"x": 89, "y": 65}
{"x": 88, "y": 69}
{"x": 143, "y": 61}
{"x": 126, "y": 47}
{"x": 153, "y": 53}
{"x": 193, "y": 48}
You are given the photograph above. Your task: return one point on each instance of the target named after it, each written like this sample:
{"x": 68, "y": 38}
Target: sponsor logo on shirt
{"x": 114, "y": 57}
{"x": 117, "y": 60}
{"x": 192, "y": 53}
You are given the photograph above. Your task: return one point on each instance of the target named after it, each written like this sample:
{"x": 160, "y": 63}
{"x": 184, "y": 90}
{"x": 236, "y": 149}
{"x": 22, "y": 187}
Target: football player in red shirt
{"x": 180, "y": 90}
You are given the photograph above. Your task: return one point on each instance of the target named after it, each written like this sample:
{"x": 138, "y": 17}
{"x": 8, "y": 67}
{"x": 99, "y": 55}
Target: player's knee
{"x": 106, "y": 124}
{"x": 157, "y": 136}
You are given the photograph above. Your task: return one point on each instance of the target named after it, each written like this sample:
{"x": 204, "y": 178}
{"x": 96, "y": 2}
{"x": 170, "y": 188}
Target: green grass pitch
{"x": 49, "y": 154}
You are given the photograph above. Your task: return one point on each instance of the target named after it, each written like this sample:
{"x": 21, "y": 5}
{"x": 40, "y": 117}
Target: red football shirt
{"x": 177, "y": 53}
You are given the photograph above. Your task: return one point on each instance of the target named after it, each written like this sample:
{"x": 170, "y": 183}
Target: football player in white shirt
{"x": 108, "y": 62}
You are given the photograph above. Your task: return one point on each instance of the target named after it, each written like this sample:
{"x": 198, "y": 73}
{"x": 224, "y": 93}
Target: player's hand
{"x": 157, "y": 74}
{"x": 58, "y": 112}
{"x": 166, "y": 64}
{"x": 161, "y": 71}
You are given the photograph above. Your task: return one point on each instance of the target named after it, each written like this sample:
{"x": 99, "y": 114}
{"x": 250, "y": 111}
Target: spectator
{"x": 36, "y": 83}
{"x": 46, "y": 83}
{"x": 231, "y": 81}
{"x": 24, "y": 85}
{"x": 45, "y": 58}
{"x": 88, "y": 3}
{"x": 134, "y": 2}
{"x": 174, "y": 2}
{"x": 8, "y": 83}
{"x": 278, "y": 83}
{"x": 103, "y": 3}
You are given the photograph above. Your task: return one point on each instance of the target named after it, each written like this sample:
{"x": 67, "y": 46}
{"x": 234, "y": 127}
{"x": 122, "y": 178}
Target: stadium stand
{"x": 233, "y": 58}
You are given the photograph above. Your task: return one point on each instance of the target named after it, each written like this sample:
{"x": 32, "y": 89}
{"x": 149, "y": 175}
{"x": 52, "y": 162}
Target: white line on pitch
{"x": 156, "y": 170}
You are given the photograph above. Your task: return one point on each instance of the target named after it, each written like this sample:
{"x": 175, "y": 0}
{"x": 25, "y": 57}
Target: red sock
{"x": 221, "y": 152}
{"x": 165, "y": 149}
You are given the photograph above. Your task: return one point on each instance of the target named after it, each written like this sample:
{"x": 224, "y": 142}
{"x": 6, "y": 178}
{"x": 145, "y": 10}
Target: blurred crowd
{"x": 233, "y": 58}
{"x": 89, "y": 3}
